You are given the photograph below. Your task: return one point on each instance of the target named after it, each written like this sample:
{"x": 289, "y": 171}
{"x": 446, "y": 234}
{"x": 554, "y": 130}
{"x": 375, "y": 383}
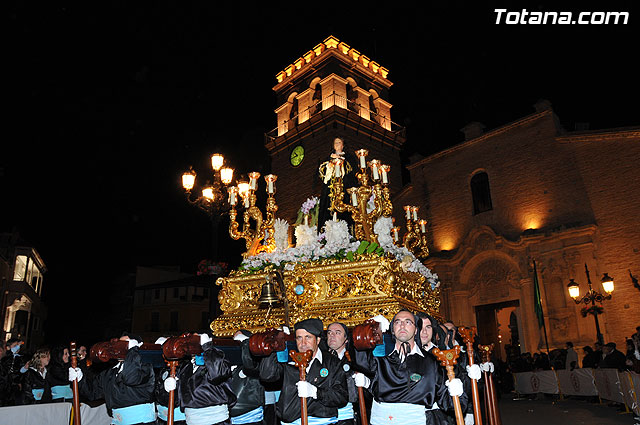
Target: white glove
{"x": 468, "y": 418}
{"x": 204, "y": 338}
{"x": 285, "y": 329}
{"x": 240, "y": 337}
{"x": 455, "y": 387}
{"x": 384, "y": 323}
{"x": 233, "y": 367}
{"x": 170, "y": 384}
{"x": 637, "y": 354}
{"x": 474, "y": 372}
{"x": 361, "y": 380}
{"x": 486, "y": 367}
{"x": 305, "y": 389}
{"x": 161, "y": 340}
{"x": 75, "y": 374}
{"x": 134, "y": 343}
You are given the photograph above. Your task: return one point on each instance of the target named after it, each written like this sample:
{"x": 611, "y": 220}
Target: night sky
{"x": 107, "y": 107}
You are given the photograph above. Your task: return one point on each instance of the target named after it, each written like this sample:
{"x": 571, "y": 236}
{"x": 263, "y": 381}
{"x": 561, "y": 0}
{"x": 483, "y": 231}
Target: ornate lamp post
{"x": 592, "y": 296}
{"x": 212, "y": 200}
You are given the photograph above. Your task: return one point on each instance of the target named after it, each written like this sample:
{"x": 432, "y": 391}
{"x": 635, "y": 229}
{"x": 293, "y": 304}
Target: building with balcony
{"x": 22, "y": 270}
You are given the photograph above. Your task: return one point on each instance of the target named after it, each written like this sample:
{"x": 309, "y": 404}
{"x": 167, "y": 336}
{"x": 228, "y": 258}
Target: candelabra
{"x": 259, "y": 237}
{"x": 415, "y": 238}
{"x": 359, "y": 196}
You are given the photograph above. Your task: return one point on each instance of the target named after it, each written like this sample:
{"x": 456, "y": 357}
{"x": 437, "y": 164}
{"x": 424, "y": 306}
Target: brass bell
{"x": 268, "y": 294}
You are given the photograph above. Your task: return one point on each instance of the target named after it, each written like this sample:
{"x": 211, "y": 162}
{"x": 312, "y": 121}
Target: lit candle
{"x": 415, "y": 212}
{"x": 253, "y": 180}
{"x": 395, "y": 234}
{"x": 354, "y": 196}
{"x": 246, "y": 201}
{"x": 271, "y": 187}
{"x": 362, "y": 155}
{"x": 337, "y": 167}
{"x": 384, "y": 170}
{"x": 335, "y": 216}
{"x": 407, "y": 209}
{"x": 423, "y": 226}
{"x": 306, "y": 219}
{"x": 233, "y": 196}
{"x": 374, "y": 168}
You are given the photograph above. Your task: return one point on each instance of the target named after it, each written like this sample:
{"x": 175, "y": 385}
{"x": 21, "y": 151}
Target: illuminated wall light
{"x": 298, "y": 64}
{"x": 344, "y": 47}
{"x": 318, "y": 49}
{"x": 365, "y": 61}
{"x": 384, "y": 72}
{"x": 375, "y": 66}
{"x": 280, "y": 76}
{"x": 308, "y": 56}
{"x": 289, "y": 70}
{"x": 331, "y": 42}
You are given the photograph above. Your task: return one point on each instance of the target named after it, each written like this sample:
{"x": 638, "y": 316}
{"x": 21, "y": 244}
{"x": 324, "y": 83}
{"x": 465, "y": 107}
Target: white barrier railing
{"x": 52, "y": 414}
{"x": 608, "y": 384}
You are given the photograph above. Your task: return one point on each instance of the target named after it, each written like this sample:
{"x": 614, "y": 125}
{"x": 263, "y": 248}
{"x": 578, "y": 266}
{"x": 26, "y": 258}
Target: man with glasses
{"x": 406, "y": 382}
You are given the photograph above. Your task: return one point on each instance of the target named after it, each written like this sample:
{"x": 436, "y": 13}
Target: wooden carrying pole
{"x": 172, "y": 397}
{"x": 301, "y": 361}
{"x": 448, "y": 358}
{"x": 492, "y": 401}
{"x": 363, "y": 407}
{"x": 74, "y": 386}
{"x": 468, "y": 335}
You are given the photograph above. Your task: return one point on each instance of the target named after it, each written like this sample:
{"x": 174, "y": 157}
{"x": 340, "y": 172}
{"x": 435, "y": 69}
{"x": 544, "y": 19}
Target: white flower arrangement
{"x": 338, "y": 242}
{"x": 281, "y": 234}
{"x": 305, "y": 235}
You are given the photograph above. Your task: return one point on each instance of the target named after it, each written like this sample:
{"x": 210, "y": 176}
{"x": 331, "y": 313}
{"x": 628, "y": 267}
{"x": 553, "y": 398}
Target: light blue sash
{"x": 255, "y": 415}
{"x": 61, "y": 391}
{"x": 397, "y": 414}
{"x": 136, "y": 414}
{"x": 37, "y": 393}
{"x": 206, "y": 415}
{"x": 314, "y": 421}
{"x": 345, "y": 412}
{"x": 271, "y": 397}
{"x": 163, "y": 413}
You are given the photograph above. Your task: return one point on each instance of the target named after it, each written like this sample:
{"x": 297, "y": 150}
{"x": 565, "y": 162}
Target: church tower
{"x": 331, "y": 91}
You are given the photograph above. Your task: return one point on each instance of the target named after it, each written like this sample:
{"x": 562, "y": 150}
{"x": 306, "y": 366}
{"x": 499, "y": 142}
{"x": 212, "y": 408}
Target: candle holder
{"x": 257, "y": 231}
{"x": 415, "y": 239}
{"x": 359, "y": 196}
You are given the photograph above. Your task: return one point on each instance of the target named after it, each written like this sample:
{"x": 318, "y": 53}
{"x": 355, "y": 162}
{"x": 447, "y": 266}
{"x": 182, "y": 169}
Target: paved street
{"x": 548, "y": 412}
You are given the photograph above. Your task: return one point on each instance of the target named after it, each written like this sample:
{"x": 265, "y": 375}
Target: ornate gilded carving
{"x": 332, "y": 290}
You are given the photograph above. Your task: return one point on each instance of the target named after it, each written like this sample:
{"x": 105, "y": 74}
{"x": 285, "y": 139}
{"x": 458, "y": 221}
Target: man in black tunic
{"x": 126, "y": 388}
{"x": 407, "y": 381}
{"x": 325, "y": 386}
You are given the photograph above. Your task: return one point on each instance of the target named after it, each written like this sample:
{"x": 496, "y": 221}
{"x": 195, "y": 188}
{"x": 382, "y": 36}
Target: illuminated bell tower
{"x": 331, "y": 91}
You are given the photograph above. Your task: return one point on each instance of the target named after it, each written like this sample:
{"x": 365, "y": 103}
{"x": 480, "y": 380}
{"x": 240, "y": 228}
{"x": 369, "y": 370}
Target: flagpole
{"x": 539, "y": 302}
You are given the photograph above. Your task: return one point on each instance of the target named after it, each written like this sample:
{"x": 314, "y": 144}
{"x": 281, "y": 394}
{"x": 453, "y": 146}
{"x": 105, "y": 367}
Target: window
{"x": 155, "y": 321}
{"x": 205, "y": 320}
{"x": 174, "y": 321}
{"x": 147, "y": 296}
{"x": 481, "y": 193}
{"x": 176, "y": 292}
{"x": 156, "y": 294}
{"x": 21, "y": 267}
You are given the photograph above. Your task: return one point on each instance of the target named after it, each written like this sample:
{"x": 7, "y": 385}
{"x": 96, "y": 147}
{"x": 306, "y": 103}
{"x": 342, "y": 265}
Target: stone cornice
{"x": 523, "y": 121}
{"x": 630, "y": 133}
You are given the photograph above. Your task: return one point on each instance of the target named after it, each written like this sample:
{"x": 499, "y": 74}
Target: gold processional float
{"x": 333, "y": 276}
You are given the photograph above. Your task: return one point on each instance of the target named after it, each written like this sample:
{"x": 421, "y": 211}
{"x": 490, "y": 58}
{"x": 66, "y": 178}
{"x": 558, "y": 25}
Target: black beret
{"x": 313, "y": 326}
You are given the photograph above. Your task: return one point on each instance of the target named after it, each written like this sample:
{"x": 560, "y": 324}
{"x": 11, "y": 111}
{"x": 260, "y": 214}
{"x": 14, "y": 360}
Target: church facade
{"x": 522, "y": 193}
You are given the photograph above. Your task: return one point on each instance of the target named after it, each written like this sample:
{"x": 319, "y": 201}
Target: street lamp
{"x": 213, "y": 200}
{"x": 592, "y": 296}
